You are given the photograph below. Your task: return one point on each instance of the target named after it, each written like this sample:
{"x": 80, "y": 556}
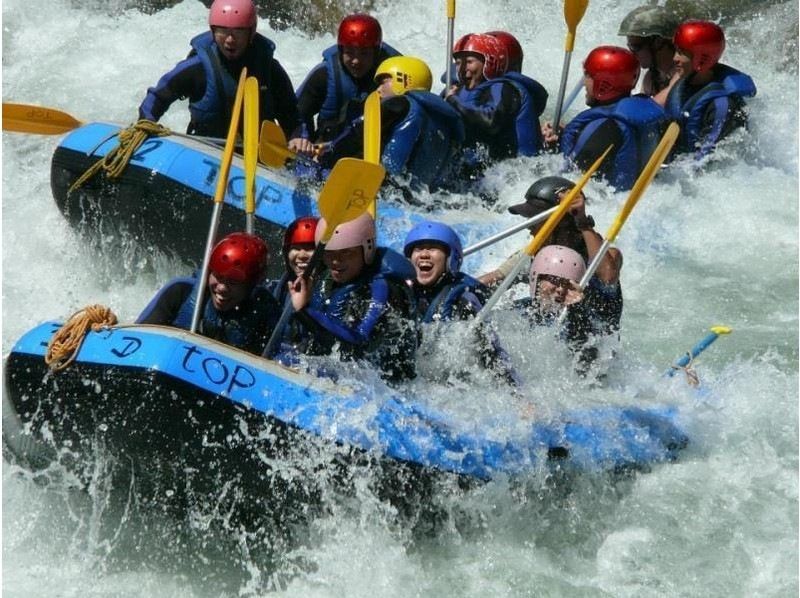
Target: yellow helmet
{"x": 407, "y": 73}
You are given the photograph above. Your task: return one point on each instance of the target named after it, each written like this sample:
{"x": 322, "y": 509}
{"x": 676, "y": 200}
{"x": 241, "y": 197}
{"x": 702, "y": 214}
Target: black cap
{"x": 541, "y": 196}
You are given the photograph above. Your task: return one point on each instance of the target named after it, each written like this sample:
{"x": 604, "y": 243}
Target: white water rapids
{"x": 716, "y": 246}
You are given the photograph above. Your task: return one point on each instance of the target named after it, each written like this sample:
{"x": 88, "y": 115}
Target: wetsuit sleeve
{"x": 493, "y": 111}
{"x": 286, "y": 112}
{"x": 311, "y": 96}
{"x": 164, "y": 307}
{"x": 186, "y": 80}
{"x": 359, "y": 332}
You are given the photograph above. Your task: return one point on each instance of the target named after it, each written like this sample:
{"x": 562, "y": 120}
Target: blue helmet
{"x": 428, "y": 230}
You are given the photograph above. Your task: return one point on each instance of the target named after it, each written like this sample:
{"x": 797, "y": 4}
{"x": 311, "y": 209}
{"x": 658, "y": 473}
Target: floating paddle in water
{"x": 683, "y": 363}
{"x": 349, "y": 191}
{"x": 538, "y": 240}
{"x": 219, "y": 195}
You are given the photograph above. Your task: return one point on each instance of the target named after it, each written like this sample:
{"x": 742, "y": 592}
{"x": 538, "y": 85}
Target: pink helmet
{"x": 557, "y": 260}
{"x": 236, "y": 14}
{"x": 355, "y": 233}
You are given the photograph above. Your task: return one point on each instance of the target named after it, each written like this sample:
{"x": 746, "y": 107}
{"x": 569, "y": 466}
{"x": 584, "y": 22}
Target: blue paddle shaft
{"x": 696, "y": 350}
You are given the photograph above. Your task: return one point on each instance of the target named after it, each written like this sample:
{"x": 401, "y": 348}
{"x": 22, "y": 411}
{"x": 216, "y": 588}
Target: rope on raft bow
{"x": 66, "y": 342}
{"x": 116, "y": 160}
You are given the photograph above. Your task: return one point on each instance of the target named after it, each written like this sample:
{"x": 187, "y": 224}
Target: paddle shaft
{"x": 509, "y": 231}
{"x": 701, "y": 346}
{"x": 219, "y": 195}
{"x": 561, "y": 89}
{"x": 451, "y": 21}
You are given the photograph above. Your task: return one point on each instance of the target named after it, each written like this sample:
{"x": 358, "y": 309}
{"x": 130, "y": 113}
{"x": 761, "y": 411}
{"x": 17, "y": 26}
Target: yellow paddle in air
{"x": 251, "y": 116}
{"x": 541, "y": 236}
{"x": 372, "y": 135}
{"x": 645, "y": 178}
{"x": 219, "y": 194}
{"x": 573, "y": 13}
{"x": 348, "y": 192}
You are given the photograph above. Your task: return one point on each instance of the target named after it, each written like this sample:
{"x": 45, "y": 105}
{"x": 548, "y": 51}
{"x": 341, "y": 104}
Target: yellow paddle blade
{"x": 451, "y": 9}
{"x": 563, "y": 207}
{"x": 230, "y": 140}
{"x": 272, "y": 149}
{"x": 39, "y": 120}
{"x": 645, "y": 177}
{"x": 348, "y": 192}
{"x": 573, "y": 13}
{"x": 251, "y": 115}
{"x": 721, "y": 329}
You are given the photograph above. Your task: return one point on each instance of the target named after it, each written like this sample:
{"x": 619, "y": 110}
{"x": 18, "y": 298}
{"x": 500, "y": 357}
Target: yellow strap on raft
{"x": 66, "y": 342}
{"x": 117, "y": 159}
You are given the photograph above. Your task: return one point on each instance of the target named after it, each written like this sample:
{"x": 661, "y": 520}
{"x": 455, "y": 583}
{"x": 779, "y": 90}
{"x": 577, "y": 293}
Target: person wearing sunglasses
{"x": 592, "y": 315}
{"x": 649, "y": 30}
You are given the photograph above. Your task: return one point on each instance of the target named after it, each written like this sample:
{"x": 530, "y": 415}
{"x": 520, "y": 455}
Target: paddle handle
{"x": 509, "y": 231}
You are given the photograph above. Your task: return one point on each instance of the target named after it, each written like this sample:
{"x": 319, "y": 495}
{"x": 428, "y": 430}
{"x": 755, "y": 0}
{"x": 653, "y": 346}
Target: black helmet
{"x": 542, "y": 195}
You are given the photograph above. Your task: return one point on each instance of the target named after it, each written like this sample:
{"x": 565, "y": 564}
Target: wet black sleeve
{"x": 286, "y": 112}
{"x": 164, "y": 307}
{"x": 312, "y": 94}
{"x": 186, "y": 80}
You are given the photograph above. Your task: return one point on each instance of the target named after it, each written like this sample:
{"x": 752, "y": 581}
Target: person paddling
{"x": 238, "y": 309}
{"x": 335, "y": 90}
{"x": 631, "y": 124}
{"x": 591, "y": 315}
{"x": 209, "y": 75}
{"x": 421, "y": 134}
{"x": 361, "y": 303}
{"x": 705, "y": 96}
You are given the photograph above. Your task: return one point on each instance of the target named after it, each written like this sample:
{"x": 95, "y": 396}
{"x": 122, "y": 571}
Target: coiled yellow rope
{"x": 65, "y": 344}
{"x": 117, "y": 159}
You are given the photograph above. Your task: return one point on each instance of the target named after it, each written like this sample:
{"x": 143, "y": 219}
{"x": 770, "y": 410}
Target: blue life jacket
{"x": 640, "y": 120}
{"x": 426, "y": 141}
{"x": 341, "y": 86}
{"x": 690, "y": 113}
{"x": 212, "y": 111}
{"x": 533, "y": 98}
{"x": 459, "y": 289}
{"x": 247, "y": 327}
{"x": 347, "y": 314}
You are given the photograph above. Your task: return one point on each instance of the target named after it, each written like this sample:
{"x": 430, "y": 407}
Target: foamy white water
{"x": 718, "y": 246}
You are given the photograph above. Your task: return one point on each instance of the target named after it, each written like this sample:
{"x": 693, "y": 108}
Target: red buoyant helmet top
{"x": 704, "y": 41}
{"x": 614, "y": 72}
{"x": 495, "y": 57}
{"x": 299, "y": 232}
{"x": 513, "y": 49}
{"x": 240, "y": 257}
{"x": 360, "y": 31}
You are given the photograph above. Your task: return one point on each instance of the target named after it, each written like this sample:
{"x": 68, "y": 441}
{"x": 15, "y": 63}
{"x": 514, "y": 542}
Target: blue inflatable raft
{"x": 164, "y": 197}
{"x": 154, "y": 394}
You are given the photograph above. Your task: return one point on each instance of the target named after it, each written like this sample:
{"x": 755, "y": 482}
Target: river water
{"x": 704, "y": 247}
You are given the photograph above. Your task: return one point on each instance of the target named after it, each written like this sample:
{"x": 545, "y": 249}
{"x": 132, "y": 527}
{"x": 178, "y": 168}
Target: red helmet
{"x": 513, "y": 49}
{"x": 614, "y": 71}
{"x": 236, "y": 14}
{"x": 495, "y": 57}
{"x": 704, "y": 41}
{"x": 461, "y": 42}
{"x": 240, "y": 257}
{"x": 299, "y": 232}
{"x": 360, "y": 30}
